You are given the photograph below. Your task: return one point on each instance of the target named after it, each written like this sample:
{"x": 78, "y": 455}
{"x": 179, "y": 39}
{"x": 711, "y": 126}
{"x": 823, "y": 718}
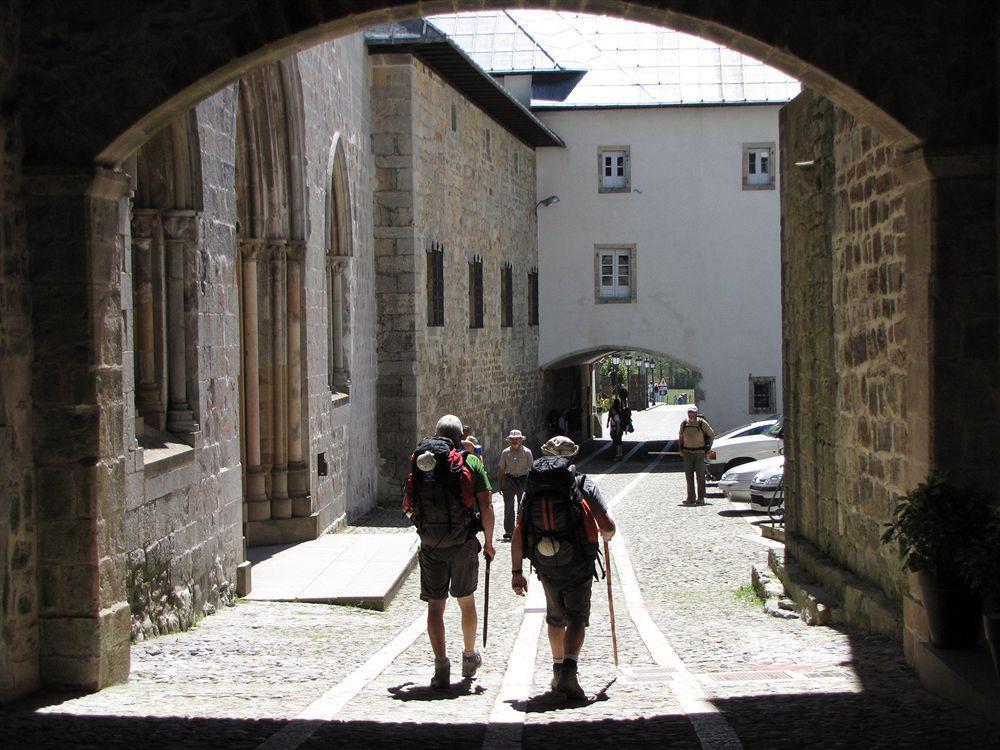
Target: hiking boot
{"x": 568, "y": 684}
{"x": 470, "y": 663}
{"x": 442, "y": 674}
{"x": 556, "y": 671}
{"x": 506, "y": 538}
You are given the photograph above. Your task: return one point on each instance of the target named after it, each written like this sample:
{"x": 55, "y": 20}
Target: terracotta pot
{"x": 991, "y": 628}
{"x": 952, "y": 611}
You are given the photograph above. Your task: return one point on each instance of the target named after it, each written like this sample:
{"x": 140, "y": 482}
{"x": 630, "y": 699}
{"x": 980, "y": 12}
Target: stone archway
{"x": 946, "y": 142}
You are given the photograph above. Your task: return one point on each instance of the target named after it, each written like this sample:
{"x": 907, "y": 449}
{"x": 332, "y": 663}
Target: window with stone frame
{"x": 758, "y": 166}
{"x": 614, "y": 169}
{"x": 614, "y": 273}
{"x": 533, "y": 297}
{"x": 762, "y": 394}
{"x": 476, "y": 292}
{"x": 507, "y": 295}
{"x": 435, "y": 284}
{"x": 338, "y": 265}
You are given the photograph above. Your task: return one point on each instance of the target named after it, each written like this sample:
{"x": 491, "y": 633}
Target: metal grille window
{"x": 615, "y": 274}
{"x": 533, "y": 297}
{"x": 762, "y": 395}
{"x": 758, "y": 166}
{"x": 506, "y": 295}
{"x": 614, "y": 170}
{"x": 476, "y": 292}
{"x": 435, "y": 284}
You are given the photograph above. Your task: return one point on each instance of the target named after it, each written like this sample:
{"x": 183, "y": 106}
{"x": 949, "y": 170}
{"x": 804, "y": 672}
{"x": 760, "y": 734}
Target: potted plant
{"x": 931, "y": 524}
{"x": 980, "y": 561}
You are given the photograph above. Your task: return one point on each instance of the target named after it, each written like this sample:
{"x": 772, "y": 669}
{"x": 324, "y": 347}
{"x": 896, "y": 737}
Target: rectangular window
{"x": 435, "y": 284}
{"x": 614, "y": 170}
{"x": 533, "y": 297}
{"x": 507, "y": 295}
{"x": 615, "y": 271}
{"x": 762, "y": 395}
{"x": 758, "y": 166}
{"x": 476, "y": 292}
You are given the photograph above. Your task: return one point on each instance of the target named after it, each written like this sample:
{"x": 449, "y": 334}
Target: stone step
{"x": 816, "y": 605}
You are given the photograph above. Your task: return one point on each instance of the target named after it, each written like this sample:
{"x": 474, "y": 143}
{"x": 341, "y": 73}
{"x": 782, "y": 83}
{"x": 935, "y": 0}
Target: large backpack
{"x": 442, "y": 493}
{"x": 557, "y": 531}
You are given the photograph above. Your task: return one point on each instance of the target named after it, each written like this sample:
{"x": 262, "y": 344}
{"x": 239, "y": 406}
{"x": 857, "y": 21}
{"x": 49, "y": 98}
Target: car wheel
{"x": 736, "y": 462}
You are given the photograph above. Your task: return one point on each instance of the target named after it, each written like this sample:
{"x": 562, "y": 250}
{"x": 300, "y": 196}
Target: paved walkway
{"x": 701, "y": 666}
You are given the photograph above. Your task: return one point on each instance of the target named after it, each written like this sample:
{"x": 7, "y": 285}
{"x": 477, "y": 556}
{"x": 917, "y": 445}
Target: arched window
{"x": 338, "y": 268}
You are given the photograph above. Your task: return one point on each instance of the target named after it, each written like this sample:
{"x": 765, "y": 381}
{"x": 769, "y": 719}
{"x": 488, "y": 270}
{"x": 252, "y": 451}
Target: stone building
{"x": 889, "y": 272}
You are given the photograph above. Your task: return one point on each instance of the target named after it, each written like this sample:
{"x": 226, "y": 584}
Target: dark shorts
{"x": 567, "y": 595}
{"x": 453, "y": 570}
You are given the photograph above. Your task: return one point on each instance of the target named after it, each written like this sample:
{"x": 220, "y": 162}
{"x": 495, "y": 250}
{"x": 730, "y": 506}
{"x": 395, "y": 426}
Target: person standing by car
{"x": 694, "y": 440}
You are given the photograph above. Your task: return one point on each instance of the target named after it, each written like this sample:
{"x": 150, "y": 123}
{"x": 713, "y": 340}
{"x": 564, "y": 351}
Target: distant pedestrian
{"x": 694, "y": 440}
{"x": 444, "y": 489}
{"x": 616, "y": 426}
{"x": 515, "y": 463}
{"x": 561, "y": 521}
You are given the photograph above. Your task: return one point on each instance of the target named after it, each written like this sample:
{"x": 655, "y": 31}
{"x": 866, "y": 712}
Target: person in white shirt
{"x": 515, "y": 463}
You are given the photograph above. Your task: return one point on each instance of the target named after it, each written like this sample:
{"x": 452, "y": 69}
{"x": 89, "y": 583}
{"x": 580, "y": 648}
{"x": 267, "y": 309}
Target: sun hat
{"x": 692, "y": 409}
{"x": 515, "y": 435}
{"x": 471, "y": 443}
{"x": 560, "y": 445}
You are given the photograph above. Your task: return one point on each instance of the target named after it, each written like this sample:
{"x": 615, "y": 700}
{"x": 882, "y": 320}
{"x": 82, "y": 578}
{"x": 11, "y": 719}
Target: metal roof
{"x": 627, "y": 63}
{"x": 444, "y": 57}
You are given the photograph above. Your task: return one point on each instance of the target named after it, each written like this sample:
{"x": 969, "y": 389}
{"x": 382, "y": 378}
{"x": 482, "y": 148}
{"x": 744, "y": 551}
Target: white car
{"x": 754, "y": 428}
{"x": 764, "y": 489}
{"x": 736, "y": 482}
{"x": 729, "y": 452}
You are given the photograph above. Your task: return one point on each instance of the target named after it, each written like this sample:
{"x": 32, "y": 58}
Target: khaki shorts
{"x": 568, "y": 597}
{"x": 453, "y": 570}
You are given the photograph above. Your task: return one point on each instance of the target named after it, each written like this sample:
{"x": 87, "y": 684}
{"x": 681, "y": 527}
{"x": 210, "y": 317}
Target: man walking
{"x": 515, "y": 462}
{"x": 694, "y": 441}
{"x": 561, "y": 518}
{"x": 443, "y": 488}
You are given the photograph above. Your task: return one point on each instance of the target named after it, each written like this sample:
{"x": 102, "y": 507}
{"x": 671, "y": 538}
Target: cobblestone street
{"x": 239, "y": 677}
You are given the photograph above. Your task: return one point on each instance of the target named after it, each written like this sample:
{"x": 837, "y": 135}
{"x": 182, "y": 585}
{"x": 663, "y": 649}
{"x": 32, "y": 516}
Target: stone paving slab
{"x": 360, "y": 569}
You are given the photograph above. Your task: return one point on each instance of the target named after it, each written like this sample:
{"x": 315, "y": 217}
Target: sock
{"x": 557, "y": 664}
{"x": 469, "y": 654}
{"x": 441, "y": 661}
{"x": 572, "y": 657}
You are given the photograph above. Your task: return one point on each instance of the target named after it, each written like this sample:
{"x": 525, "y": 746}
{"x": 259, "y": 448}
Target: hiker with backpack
{"x": 515, "y": 462}
{"x": 616, "y": 426}
{"x": 562, "y": 518}
{"x": 449, "y": 498}
{"x": 694, "y": 441}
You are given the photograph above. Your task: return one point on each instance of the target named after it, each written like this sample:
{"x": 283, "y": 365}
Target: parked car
{"x": 753, "y": 428}
{"x": 766, "y": 484}
{"x": 736, "y": 482}
{"x": 729, "y": 452}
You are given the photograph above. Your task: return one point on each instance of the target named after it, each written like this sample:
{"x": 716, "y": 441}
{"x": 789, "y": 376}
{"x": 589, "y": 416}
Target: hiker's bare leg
{"x": 435, "y": 625}
{"x": 557, "y": 634}
{"x": 575, "y": 631}
{"x": 470, "y": 621}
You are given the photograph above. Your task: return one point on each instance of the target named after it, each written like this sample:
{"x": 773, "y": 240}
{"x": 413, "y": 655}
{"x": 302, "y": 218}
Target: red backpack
{"x": 442, "y": 494}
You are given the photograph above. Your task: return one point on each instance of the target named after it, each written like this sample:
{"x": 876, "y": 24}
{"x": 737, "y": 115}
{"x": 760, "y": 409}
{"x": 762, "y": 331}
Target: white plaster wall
{"x": 707, "y": 252}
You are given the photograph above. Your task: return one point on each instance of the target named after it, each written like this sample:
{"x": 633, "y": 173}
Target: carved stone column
{"x": 281, "y": 505}
{"x": 258, "y": 506}
{"x": 298, "y": 473}
{"x": 182, "y": 237}
{"x": 338, "y": 268}
{"x": 146, "y": 246}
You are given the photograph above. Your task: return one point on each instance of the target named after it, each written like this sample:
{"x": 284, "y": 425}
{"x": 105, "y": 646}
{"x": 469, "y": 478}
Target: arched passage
{"x": 910, "y": 111}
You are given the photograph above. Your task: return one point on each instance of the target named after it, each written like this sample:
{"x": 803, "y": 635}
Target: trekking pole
{"x": 611, "y": 601}
{"x": 486, "y": 603}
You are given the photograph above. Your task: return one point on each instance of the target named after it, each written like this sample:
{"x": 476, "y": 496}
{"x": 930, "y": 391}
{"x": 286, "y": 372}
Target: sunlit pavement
{"x": 700, "y": 664}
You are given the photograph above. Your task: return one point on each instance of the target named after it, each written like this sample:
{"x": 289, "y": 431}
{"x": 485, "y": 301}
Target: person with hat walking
{"x": 562, "y": 518}
{"x": 694, "y": 441}
{"x": 515, "y": 463}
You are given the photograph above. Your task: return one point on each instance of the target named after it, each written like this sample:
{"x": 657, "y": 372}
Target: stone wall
{"x": 18, "y": 551}
{"x": 184, "y": 513}
{"x": 843, "y": 242}
{"x": 470, "y": 190}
